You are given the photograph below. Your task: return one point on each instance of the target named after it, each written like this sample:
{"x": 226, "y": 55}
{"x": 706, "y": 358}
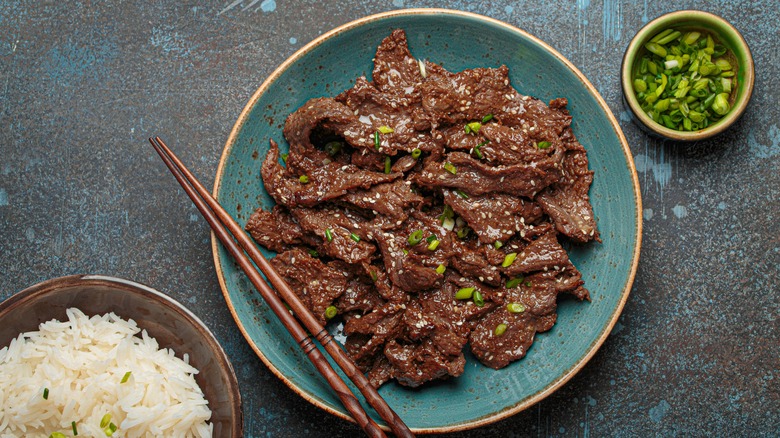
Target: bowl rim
{"x": 626, "y": 289}
{"x": 715, "y": 24}
{"x": 37, "y": 290}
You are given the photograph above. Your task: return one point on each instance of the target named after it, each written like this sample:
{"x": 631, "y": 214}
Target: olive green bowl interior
{"x": 726, "y": 34}
{"x": 457, "y": 40}
{"x": 170, "y": 323}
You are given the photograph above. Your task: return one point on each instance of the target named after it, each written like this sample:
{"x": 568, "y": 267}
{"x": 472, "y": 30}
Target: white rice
{"x": 82, "y": 362}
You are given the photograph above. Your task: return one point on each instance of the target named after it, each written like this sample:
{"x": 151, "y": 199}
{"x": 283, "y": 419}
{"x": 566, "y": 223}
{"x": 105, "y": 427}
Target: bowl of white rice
{"x": 90, "y": 355}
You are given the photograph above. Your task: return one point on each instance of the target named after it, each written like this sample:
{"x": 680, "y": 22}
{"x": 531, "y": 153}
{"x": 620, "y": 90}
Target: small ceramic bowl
{"x": 725, "y": 34}
{"x": 172, "y": 325}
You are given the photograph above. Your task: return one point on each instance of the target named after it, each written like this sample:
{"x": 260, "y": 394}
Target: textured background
{"x": 83, "y": 84}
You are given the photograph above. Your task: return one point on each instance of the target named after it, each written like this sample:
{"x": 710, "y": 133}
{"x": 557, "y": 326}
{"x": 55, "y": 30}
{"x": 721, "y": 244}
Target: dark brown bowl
{"x": 163, "y": 318}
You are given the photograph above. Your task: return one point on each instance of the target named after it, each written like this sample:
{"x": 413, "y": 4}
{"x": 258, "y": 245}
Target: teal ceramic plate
{"x": 457, "y": 40}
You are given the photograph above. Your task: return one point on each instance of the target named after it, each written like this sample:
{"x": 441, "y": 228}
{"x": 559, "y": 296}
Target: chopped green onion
{"x": 45, "y": 393}
{"x": 721, "y": 104}
{"x": 543, "y": 145}
{"x": 431, "y": 238}
{"x": 333, "y": 147}
{"x": 449, "y": 167}
{"x": 415, "y": 237}
{"x": 416, "y": 153}
{"x": 464, "y": 294}
{"x": 125, "y": 377}
{"x": 73, "y": 426}
{"x": 385, "y": 129}
{"x": 284, "y": 157}
{"x": 109, "y": 431}
{"x": 656, "y": 48}
{"x": 500, "y": 329}
{"x": 528, "y": 283}
{"x": 354, "y": 237}
{"x": 515, "y": 308}
{"x": 57, "y": 435}
{"x": 373, "y": 275}
{"x": 487, "y": 118}
{"x": 440, "y": 269}
{"x": 304, "y": 179}
{"x": 509, "y": 259}
{"x": 387, "y": 164}
{"x": 473, "y": 127}
{"x": 405, "y": 251}
{"x": 433, "y": 245}
{"x": 448, "y": 223}
{"x": 329, "y": 234}
{"x": 513, "y": 283}
{"x": 498, "y": 244}
{"x": 104, "y": 422}
{"x": 314, "y": 253}
{"x": 463, "y": 232}
{"x": 331, "y": 311}
{"x": 376, "y": 140}
{"x": 448, "y": 212}
{"x": 462, "y": 194}
{"x": 478, "y": 300}
{"x": 478, "y": 152}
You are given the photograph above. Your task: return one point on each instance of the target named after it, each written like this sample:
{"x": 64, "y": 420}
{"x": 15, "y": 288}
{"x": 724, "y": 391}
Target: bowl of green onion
{"x": 687, "y": 75}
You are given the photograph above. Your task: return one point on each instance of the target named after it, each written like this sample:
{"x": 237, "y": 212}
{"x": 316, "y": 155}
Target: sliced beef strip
{"x": 395, "y": 69}
{"x": 415, "y": 364}
{"x": 316, "y": 284}
{"x": 567, "y": 201}
{"x": 377, "y": 327}
{"x": 388, "y": 199}
{"x": 434, "y": 314}
{"x": 508, "y": 145}
{"x": 325, "y": 183}
{"x": 414, "y": 270}
{"x": 342, "y": 225}
{"x": 469, "y": 259}
{"x": 544, "y": 253}
{"x": 477, "y": 178}
{"x": 274, "y": 229}
{"x": 358, "y": 297}
{"x": 494, "y": 216}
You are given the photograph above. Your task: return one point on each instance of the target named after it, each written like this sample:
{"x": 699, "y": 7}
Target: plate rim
{"x": 626, "y": 289}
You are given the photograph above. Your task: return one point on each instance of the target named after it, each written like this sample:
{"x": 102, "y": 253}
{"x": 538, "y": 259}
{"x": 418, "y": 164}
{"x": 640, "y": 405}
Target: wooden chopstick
{"x": 223, "y": 226}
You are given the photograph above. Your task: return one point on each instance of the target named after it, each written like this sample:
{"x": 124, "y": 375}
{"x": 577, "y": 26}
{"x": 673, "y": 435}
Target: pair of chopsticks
{"x": 224, "y": 226}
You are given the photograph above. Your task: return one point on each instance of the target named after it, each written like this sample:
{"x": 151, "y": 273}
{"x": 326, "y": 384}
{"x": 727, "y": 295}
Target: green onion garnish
{"x": 354, "y": 237}
{"x": 387, "y": 164}
{"x": 515, "y": 308}
{"x": 57, "y": 435}
{"x": 462, "y": 194}
{"x": 314, "y": 253}
{"x": 304, "y": 179}
{"x": 472, "y": 127}
{"x": 73, "y": 426}
{"x": 477, "y": 152}
{"x": 465, "y": 294}
{"x": 498, "y": 244}
{"x": 528, "y": 283}
{"x": 415, "y": 237}
{"x": 125, "y": 377}
{"x": 104, "y": 422}
{"x": 331, "y": 311}
{"x": 500, "y": 329}
{"x": 463, "y": 232}
{"x": 109, "y": 431}
{"x": 487, "y": 118}
{"x": 449, "y": 167}
{"x": 509, "y": 259}
{"x": 440, "y": 269}
{"x": 433, "y": 245}
{"x": 284, "y": 157}
{"x": 329, "y": 234}
{"x": 373, "y": 275}
{"x": 431, "y": 238}
{"x": 333, "y": 147}
{"x": 513, "y": 283}
{"x": 543, "y": 145}
{"x": 376, "y": 140}
{"x": 45, "y": 393}
{"x": 385, "y": 129}
{"x": 478, "y": 300}
{"x": 416, "y": 153}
